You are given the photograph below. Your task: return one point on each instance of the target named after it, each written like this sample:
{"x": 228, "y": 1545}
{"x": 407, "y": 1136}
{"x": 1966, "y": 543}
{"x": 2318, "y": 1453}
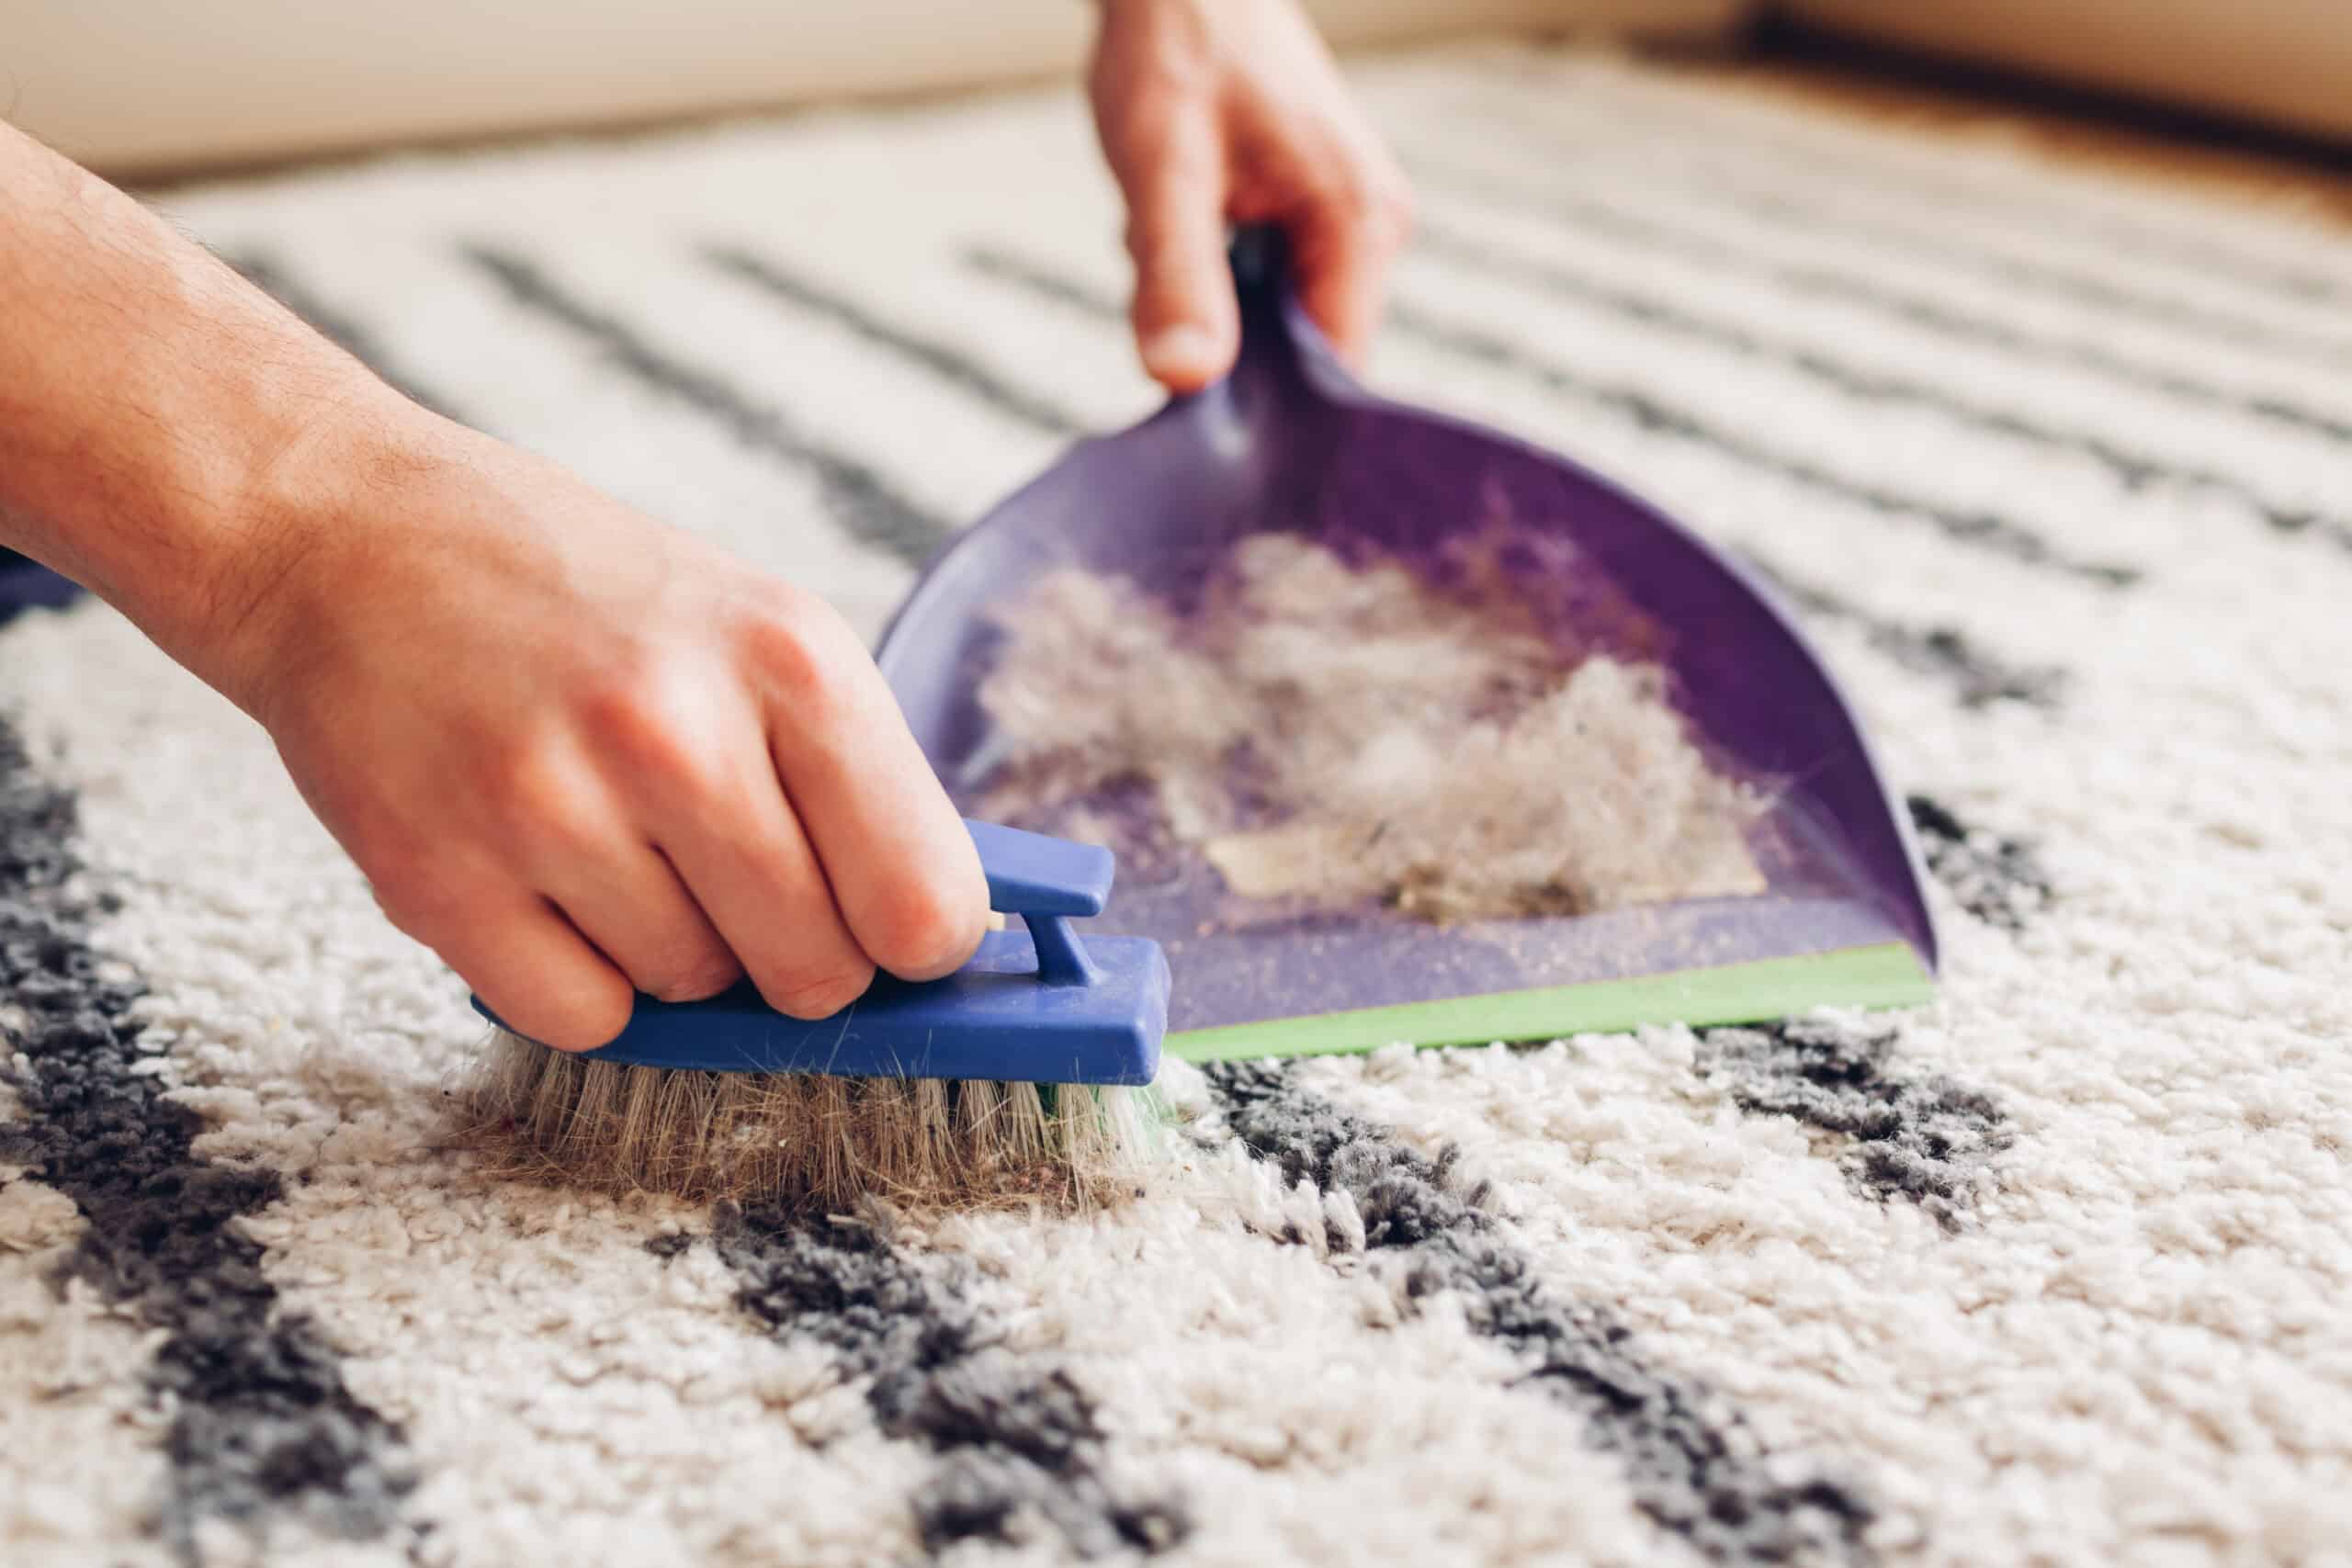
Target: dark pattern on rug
{"x": 1017, "y": 1444}
{"x": 1933, "y": 313}
{"x": 676, "y": 1243}
{"x": 1695, "y": 1465}
{"x": 1929, "y": 1142}
{"x": 1979, "y": 679}
{"x": 270, "y": 275}
{"x": 261, "y": 1424}
{"x": 1988, "y": 531}
{"x": 1946, "y": 243}
{"x": 1998, "y": 880}
{"x": 2134, "y": 470}
{"x": 856, "y": 493}
{"x": 957, "y": 369}
{"x": 1979, "y": 529}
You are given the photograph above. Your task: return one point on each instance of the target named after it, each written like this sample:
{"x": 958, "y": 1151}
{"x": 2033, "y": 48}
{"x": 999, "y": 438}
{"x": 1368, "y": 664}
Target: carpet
{"x": 2059, "y": 471}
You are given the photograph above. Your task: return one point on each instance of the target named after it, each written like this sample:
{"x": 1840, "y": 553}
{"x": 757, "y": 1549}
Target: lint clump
{"x": 1329, "y": 733}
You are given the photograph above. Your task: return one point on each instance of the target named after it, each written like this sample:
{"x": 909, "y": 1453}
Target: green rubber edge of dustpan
{"x": 1883, "y": 975}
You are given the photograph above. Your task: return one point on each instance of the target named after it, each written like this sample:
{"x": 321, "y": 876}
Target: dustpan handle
{"x": 1276, "y": 332}
{"x": 1259, "y": 256}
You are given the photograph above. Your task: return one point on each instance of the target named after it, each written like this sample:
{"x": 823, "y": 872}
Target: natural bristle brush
{"x": 1016, "y": 1076}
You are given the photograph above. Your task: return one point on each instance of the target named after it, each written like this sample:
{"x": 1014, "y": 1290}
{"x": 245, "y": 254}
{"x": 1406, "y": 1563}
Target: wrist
{"x": 169, "y": 437}
{"x": 306, "y": 520}
{"x": 262, "y": 560}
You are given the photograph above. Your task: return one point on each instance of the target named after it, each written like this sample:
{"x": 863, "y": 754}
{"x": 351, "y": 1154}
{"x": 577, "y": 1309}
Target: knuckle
{"x": 407, "y": 914}
{"x": 529, "y": 796}
{"x": 1163, "y": 119}
{"x": 570, "y": 1008}
{"x": 579, "y": 1021}
{"x": 625, "y": 708}
{"x": 923, "y": 927}
{"x": 691, "y": 976}
{"x": 819, "y": 994}
{"x": 796, "y": 643}
{"x": 416, "y": 897}
{"x": 1368, "y": 202}
{"x": 644, "y": 724}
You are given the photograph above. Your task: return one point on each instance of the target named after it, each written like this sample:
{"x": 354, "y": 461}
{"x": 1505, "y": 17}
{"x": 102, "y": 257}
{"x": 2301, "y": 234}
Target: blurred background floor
{"x": 2133, "y": 136}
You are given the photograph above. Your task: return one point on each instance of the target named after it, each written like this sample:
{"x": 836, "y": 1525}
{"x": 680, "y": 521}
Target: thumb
{"x": 1187, "y": 324}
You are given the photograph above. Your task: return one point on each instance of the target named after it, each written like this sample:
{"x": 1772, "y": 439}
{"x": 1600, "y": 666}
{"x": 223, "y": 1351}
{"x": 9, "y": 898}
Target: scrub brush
{"x": 1016, "y": 1077}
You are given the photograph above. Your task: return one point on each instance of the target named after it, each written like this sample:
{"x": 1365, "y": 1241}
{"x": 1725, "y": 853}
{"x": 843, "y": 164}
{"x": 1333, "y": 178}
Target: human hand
{"x": 580, "y": 753}
{"x": 574, "y": 751}
{"x": 1217, "y": 110}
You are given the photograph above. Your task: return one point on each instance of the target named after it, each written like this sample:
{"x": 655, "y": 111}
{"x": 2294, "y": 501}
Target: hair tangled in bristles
{"x": 800, "y": 1139}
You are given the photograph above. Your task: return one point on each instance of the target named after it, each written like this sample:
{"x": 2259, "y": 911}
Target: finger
{"x": 575, "y": 840}
{"x": 749, "y": 865}
{"x": 1187, "y": 323}
{"x": 1344, "y": 240}
{"x": 628, "y": 901}
{"x": 901, "y": 865}
{"x": 526, "y": 960}
{"x": 686, "y": 770}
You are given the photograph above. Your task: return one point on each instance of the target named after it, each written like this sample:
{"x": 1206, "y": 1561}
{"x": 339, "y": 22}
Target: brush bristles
{"x": 799, "y": 1139}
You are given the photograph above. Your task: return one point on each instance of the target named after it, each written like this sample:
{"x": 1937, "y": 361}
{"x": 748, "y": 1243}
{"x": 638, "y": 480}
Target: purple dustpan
{"x": 1289, "y": 441}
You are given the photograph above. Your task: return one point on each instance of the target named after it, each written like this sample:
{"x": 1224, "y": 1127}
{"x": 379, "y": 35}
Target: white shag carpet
{"x": 2056, "y": 1273}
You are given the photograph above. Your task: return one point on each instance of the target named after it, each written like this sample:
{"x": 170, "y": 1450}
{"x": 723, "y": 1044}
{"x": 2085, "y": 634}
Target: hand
{"x": 580, "y": 753}
{"x": 574, "y": 751}
{"x": 1212, "y": 110}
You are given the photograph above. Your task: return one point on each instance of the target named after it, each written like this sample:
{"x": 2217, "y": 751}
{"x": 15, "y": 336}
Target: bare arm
{"x": 575, "y": 752}
{"x": 164, "y": 426}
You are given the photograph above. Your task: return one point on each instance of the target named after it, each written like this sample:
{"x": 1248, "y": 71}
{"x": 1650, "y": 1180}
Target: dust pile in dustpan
{"x": 1407, "y": 731}
{"x": 1323, "y": 736}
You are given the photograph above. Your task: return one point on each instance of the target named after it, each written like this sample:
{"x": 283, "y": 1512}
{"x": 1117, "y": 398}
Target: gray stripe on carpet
{"x": 957, "y": 369}
{"x": 1987, "y": 531}
{"x": 856, "y": 493}
{"x": 1949, "y": 244}
{"x": 1978, "y": 678}
{"x": 1016, "y": 1441}
{"x": 2000, "y": 880}
{"x": 1695, "y": 1465}
{"x": 261, "y": 1425}
{"x": 1584, "y": 211}
{"x": 1928, "y": 1142}
{"x": 269, "y": 274}
{"x": 2133, "y": 469}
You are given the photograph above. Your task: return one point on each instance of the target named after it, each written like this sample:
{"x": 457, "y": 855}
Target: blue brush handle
{"x": 1030, "y": 873}
{"x": 1045, "y": 881}
{"x": 1042, "y": 1010}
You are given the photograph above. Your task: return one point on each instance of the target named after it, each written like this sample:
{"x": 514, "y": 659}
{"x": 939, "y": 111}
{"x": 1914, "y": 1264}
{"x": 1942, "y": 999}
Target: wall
{"x": 136, "y": 87}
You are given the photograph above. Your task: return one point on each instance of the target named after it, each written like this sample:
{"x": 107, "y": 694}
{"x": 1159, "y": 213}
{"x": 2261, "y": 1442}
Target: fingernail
{"x": 1178, "y": 348}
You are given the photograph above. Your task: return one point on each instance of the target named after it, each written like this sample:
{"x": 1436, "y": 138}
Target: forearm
{"x": 168, "y": 432}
